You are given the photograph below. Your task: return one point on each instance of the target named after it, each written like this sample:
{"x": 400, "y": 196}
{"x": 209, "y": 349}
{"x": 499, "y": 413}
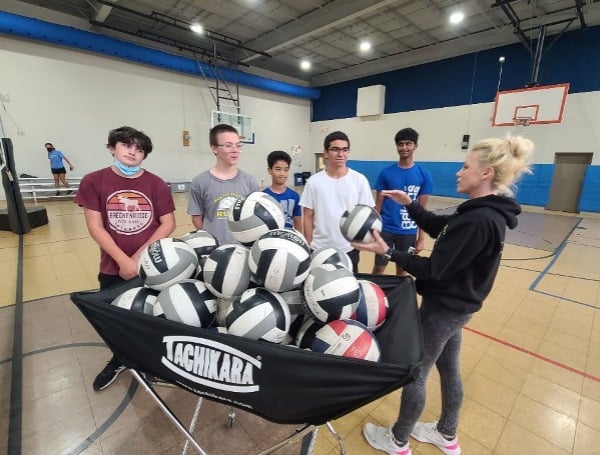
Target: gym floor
{"x": 530, "y": 358}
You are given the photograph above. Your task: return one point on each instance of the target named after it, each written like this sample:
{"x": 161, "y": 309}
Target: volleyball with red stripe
{"x": 372, "y": 306}
{"x": 358, "y": 222}
{"x": 346, "y": 338}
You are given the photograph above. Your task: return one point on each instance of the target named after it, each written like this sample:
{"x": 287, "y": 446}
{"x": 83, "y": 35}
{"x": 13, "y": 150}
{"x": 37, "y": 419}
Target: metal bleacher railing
{"x": 43, "y": 188}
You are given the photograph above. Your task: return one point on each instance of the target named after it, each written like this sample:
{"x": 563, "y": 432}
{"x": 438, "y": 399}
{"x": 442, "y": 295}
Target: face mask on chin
{"x": 126, "y": 170}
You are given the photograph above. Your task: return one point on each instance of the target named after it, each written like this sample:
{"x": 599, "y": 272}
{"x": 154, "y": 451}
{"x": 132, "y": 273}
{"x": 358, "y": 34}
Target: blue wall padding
{"x": 590, "y": 199}
{"x": 36, "y": 29}
{"x": 533, "y": 189}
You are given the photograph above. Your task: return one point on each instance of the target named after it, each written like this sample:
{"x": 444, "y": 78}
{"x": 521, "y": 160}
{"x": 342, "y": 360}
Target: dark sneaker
{"x": 70, "y": 192}
{"x": 58, "y": 193}
{"x": 108, "y": 375}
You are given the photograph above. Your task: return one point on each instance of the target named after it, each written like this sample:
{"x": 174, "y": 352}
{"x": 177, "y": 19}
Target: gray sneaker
{"x": 381, "y": 438}
{"x": 428, "y": 432}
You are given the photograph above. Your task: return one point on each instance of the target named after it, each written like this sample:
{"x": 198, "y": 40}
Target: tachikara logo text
{"x": 211, "y": 363}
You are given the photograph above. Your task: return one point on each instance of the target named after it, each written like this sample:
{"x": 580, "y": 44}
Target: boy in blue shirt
{"x": 279, "y": 168}
{"x": 399, "y": 230}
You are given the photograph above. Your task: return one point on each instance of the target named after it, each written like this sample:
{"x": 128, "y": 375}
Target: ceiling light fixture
{"x": 364, "y": 46}
{"x": 457, "y": 17}
{"x": 196, "y": 28}
{"x": 305, "y": 64}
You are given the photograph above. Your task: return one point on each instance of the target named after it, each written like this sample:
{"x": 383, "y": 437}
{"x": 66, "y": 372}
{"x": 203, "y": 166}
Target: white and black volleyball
{"x": 347, "y": 338}
{"x": 190, "y": 302}
{"x": 253, "y": 215}
{"x": 279, "y": 260}
{"x": 306, "y": 333}
{"x": 330, "y": 292}
{"x": 226, "y": 271}
{"x": 356, "y": 224}
{"x": 139, "y": 299}
{"x": 167, "y": 261}
{"x": 203, "y": 242}
{"x": 259, "y": 314}
{"x": 331, "y": 255}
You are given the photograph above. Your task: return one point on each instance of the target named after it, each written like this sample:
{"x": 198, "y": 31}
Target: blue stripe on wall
{"x": 533, "y": 189}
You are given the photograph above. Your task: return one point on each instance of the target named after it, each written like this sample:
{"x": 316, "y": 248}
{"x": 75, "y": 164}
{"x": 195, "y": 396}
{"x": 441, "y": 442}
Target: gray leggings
{"x": 442, "y": 335}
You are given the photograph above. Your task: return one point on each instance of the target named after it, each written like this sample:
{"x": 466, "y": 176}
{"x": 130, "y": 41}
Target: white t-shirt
{"x": 329, "y": 198}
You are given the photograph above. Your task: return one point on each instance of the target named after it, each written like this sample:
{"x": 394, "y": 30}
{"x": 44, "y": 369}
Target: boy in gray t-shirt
{"x": 213, "y": 192}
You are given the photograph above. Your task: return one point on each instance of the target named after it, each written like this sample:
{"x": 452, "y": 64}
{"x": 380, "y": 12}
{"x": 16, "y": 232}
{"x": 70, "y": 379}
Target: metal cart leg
{"x": 338, "y": 437}
{"x": 290, "y": 440}
{"x": 192, "y": 424}
{"x": 167, "y": 411}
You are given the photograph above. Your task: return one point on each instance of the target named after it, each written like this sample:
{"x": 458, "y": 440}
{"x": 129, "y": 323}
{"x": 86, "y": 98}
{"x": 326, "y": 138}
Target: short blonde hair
{"x": 510, "y": 158}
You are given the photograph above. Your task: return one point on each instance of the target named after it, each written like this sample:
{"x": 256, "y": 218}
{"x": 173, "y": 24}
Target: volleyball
{"x": 190, "y": 302}
{"x": 253, "y": 215}
{"x": 259, "y": 314}
{"x": 330, "y": 292}
{"x": 203, "y": 242}
{"x": 347, "y": 338}
{"x": 331, "y": 255}
{"x": 279, "y": 260}
{"x": 226, "y": 271}
{"x": 165, "y": 262}
{"x": 306, "y": 333}
{"x": 372, "y": 306}
{"x": 137, "y": 299}
{"x": 356, "y": 224}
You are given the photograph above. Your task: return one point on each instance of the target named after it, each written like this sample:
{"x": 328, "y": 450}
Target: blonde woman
{"x": 453, "y": 283}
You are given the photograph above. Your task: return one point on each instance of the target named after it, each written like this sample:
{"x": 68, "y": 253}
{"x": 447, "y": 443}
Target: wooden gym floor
{"x": 530, "y": 359}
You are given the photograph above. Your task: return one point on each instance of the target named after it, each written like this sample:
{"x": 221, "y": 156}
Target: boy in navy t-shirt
{"x": 279, "y": 168}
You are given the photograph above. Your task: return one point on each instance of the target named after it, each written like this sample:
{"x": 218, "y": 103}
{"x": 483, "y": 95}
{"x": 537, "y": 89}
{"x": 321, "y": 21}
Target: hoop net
{"x": 522, "y": 121}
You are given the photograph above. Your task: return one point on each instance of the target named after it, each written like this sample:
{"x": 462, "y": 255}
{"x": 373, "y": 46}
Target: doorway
{"x": 567, "y": 182}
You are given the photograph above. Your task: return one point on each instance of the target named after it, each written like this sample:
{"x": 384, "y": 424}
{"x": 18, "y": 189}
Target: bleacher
{"x": 37, "y": 188}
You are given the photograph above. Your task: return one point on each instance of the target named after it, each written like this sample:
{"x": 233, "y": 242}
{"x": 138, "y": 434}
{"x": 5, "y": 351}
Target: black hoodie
{"x": 461, "y": 269}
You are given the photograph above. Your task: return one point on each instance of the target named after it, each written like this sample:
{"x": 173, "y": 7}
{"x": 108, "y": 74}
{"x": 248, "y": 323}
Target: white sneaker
{"x": 381, "y": 438}
{"x": 428, "y": 432}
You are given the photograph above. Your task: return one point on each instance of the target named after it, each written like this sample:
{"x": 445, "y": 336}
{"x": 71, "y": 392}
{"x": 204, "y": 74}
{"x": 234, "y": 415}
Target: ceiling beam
{"x": 317, "y": 21}
{"x": 102, "y": 11}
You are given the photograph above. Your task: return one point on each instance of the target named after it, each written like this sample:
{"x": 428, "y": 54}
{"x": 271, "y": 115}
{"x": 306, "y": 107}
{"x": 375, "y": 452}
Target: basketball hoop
{"x": 522, "y": 121}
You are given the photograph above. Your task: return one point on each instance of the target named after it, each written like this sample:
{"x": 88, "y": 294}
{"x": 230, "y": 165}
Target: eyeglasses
{"x": 230, "y": 146}
{"x": 339, "y": 150}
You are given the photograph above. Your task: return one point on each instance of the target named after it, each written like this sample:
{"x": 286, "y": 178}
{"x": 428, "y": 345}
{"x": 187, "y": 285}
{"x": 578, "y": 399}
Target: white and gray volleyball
{"x": 190, "y": 302}
{"x": 330, "y": 292}
{"x": 331, "y": 255}
{"x": 372, "y": 306}
{"x": 203, "y": 242}
{"x": 253, "y": 215}
{"x": 356, "y": 224}
{"x": 226, "y": 271}
{"x": 346, "y": 338}
{"x": 259, "y": 314}
{"x": 138, "y": 299}
{"x": 280, "y": 260}
{"x": 167, "y": 261}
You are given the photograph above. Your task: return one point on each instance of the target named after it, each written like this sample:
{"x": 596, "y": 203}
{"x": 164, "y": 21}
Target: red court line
{"x": 533, "y": 354}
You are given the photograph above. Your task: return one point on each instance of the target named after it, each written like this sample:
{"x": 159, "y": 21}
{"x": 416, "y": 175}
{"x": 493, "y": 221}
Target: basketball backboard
{"x": 540, "y": 105}
{"x": 240, "y": 122}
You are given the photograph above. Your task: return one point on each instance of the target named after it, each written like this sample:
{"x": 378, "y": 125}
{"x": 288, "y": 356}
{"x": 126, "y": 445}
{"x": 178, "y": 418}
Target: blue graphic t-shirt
{"x": 290, "y": 203}
{"x": 415, "y": 182}
{"x": 56, "y": 159}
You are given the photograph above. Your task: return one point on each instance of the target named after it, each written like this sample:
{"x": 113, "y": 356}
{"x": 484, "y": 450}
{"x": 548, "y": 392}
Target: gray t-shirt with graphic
{"x": 212, "y": 198}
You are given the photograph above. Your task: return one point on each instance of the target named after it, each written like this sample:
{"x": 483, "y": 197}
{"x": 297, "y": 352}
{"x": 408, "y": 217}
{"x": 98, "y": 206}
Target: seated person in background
{"x": 279, "y": 168}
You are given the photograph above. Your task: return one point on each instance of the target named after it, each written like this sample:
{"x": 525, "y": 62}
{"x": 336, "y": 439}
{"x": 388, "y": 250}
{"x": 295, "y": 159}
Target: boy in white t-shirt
{"x": 329, "y": 193}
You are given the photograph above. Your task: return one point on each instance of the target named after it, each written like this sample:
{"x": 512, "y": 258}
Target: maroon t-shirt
{"x": 130, "y": 208}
